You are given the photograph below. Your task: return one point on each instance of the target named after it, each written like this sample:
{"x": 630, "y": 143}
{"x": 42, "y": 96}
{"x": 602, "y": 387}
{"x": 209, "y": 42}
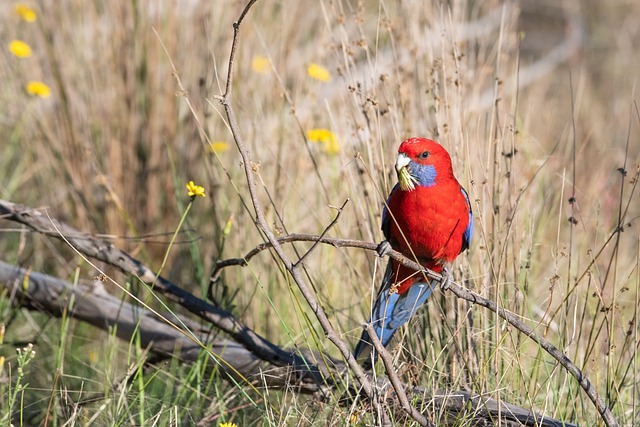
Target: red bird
{"x": 427, "y": 218}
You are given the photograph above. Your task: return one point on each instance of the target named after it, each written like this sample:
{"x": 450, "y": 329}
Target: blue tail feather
{"x": 390, "y": 312}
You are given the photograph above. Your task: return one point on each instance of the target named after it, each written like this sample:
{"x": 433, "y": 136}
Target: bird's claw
{"x": 383, "y": 248}
{"x": 447, "y": 278}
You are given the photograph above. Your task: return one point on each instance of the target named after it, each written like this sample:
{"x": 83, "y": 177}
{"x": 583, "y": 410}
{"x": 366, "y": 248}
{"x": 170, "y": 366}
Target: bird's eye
{"x": 423, "y": 155}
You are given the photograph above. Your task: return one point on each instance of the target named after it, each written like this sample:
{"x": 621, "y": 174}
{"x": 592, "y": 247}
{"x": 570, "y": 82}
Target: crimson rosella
{"x": 427, "y": 218}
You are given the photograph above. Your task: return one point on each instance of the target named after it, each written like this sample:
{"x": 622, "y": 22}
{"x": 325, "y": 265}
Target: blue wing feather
{"x": 468, "y": 232}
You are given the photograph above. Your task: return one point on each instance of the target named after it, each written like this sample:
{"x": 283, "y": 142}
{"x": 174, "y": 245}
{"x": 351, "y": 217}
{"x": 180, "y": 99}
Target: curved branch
{"x": 459, "y": 292}
{"x": 91, "y": 303}
{"x": 106, "y": 252}
{"x": 262, "y": 348}
{"x": 293, "y": 237}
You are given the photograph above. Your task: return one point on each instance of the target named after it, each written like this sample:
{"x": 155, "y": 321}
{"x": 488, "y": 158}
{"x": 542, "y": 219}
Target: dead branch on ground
{"x": 90, "y": 302}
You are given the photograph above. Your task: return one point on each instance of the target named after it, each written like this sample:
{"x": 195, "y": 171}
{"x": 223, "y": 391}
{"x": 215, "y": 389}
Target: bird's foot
{"x": 383, "y": 248}
{"x": 447, "y": 278}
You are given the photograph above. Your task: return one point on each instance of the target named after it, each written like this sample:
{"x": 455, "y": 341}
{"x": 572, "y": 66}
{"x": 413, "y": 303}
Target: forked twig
{"x": 293, "y": 237}
{"x": 324, "y": 233}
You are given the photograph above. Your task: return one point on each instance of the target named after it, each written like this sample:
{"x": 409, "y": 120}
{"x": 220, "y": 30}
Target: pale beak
{"x": 406, "y": 181}
{"x": 402, "y": 161}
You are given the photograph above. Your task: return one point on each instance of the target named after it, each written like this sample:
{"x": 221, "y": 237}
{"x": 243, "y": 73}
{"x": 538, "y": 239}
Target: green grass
{"x": 110, "y": 151}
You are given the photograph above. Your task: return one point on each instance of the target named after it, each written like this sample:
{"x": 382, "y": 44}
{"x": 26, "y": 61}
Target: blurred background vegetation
{"x": 535, "y": 101}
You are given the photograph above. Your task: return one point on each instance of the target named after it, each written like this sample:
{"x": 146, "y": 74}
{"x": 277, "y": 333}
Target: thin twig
{"x": 529, "y": 332}
{"x": 234, "y": 47}
{"x": 324, "y": 232}
{"x": 397, "y": 385}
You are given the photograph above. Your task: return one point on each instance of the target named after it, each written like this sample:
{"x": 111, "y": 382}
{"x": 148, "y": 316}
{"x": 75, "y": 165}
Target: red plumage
{"x": 427, "y": 223}
{"x": 427, "y": 218}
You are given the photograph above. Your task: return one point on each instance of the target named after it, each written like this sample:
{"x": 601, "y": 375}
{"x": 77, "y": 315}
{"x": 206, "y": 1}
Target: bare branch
{"x": 263, "y": 226}
{"x": 106, "y": 252}
{"x": 234, "y": 47}
{"x": 265, "y": 350}
{"x": 92, "y": 304}
{"x": 293, "y": 237}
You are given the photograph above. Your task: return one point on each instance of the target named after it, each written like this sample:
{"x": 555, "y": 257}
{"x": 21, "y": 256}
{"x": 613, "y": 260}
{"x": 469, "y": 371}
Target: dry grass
{"x": 111, "y": 149}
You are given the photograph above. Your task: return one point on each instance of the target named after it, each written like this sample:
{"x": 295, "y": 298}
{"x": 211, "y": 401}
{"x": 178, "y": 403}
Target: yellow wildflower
{"x": 318, "y": 72}
{"x": 25, "y": 12}
{"x": 38, "y": 89}
{"x": 328, "y": 139}
{"x": 218, "y": 147}
{"x": 228, "y": 425}
{"x": 319, "y": 135}
{"x": 260, "y": 64}
{"x": 20, "y": 49}
{"x": 194, "y": 190}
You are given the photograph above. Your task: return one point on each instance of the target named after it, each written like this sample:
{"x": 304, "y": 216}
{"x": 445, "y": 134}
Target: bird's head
{"x": 419, "y": 162}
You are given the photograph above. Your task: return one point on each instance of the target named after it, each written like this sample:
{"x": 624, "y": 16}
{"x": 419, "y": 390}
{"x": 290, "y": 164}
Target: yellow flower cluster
{"x": 228, "y": 425}
{"x": 25, "y": 12}
{"x": 318, "y": 72}
{"x": 260, "y": 64}
{"x": 325, "y": 137}
{"x": 21, "y": 49}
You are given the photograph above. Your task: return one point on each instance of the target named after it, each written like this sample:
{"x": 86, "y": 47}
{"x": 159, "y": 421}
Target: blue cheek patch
{"x": 425, "y": 174}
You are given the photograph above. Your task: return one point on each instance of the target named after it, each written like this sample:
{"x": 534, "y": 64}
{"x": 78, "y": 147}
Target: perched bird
{"x": 427, "y": 218}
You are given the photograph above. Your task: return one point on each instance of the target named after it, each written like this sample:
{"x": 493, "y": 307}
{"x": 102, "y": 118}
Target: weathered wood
{"x": 91, "y": 303}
